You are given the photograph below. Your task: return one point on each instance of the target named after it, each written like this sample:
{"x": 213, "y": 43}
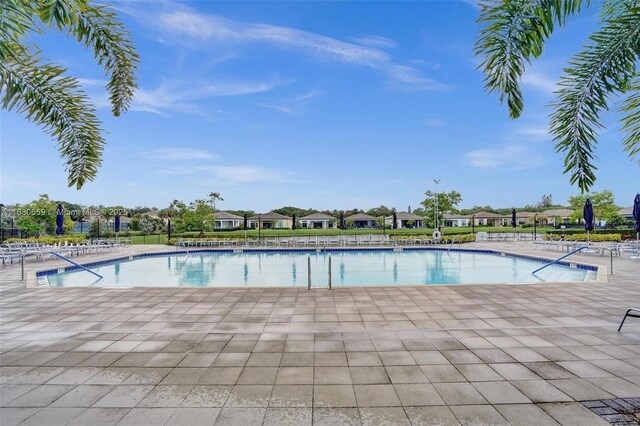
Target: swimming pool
{"x": 290, "y": 268}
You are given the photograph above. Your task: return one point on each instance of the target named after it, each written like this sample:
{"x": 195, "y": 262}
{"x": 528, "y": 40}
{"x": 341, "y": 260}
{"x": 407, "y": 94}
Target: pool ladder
{"x": 579, "y": 249}
{"x": 309, "y": 272}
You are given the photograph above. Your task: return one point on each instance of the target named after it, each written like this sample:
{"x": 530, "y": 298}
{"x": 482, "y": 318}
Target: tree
{"x": 40, "y": 89}
{"x": 604, "y": 206}
{"x": 382, "y": 210}
{"x": 515, "y": 31}
{"x": 447, "y": 202}
{"x": 546, "y": 201}
{"x": 213, "y": 197}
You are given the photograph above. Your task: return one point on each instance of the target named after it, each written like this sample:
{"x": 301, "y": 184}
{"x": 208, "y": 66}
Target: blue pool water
{"x": 349, "y": 268}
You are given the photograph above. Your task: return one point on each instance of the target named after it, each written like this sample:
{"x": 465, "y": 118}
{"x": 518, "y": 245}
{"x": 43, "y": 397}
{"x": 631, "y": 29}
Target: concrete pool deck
{"x": 456, "y": 354}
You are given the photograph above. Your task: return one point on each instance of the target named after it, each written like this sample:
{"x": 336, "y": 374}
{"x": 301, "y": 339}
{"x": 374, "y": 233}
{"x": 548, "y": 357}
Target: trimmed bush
{"x": 48, "y": 239}
{"x": 583, "y": 237}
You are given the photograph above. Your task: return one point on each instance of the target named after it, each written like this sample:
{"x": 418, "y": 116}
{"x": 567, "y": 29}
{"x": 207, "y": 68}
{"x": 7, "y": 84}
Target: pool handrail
{"x": 579, "y": 249}
{"x": 76, "y": 264}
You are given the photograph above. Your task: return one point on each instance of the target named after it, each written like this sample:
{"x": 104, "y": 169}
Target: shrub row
{"x": 49, "y": 239}
{"x": 583, "y": 237}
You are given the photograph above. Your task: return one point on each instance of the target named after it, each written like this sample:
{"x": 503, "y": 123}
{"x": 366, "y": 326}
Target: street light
{"x": 535, "y": 227}
{"x": 435, "y": 204}
{"x": 1, "y": 224}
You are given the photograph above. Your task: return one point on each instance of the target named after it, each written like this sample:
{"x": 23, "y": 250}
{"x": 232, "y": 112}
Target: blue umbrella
{"x": 513, "y": 218}
{"x": 587, "y": 214}
{"x": 116, "y": 223}
{"x": 293, "y": 222}
{"x": 59, "y": 220}
{"x": 636, "y": 213}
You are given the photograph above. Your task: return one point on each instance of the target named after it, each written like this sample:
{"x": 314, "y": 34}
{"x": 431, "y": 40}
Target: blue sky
{"x": 312, "y": 104}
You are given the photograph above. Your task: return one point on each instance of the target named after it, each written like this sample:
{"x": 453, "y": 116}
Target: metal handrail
{"x": 76, "y": 264}
{"x": 453, "y": 241}
{"x": 579, "y": 249}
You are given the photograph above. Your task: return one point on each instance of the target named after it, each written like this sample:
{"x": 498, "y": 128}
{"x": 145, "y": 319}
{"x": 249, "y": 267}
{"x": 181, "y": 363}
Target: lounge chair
{"x": 631, "y": 312}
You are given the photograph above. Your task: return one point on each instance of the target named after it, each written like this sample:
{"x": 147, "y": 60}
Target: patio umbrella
{"x": 395, "y": 220}
{"x": 293, "y": 221}
{"x": 246, "y": 222}
{"x": 513, "y": 218}
{"x": 636, "y": 216}
{"x": 59, "y": 220}
{"x": 342, "y": 220}
{"x": 116, "y": 223}
{"x": 587, "y": 214}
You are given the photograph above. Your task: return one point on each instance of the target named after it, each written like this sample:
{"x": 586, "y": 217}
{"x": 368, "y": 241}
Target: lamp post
{"x": 1, "y": 224}
{"x": 435, "y": 205}
{"x": 473, "y": 224}
{"x": 535, "y": 227}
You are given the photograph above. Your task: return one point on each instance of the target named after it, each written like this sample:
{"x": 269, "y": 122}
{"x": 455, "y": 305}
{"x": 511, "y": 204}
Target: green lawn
{"x": 272, "y": 233}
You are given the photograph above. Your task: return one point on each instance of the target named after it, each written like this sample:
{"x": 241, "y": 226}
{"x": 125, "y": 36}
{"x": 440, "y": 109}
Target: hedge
{"x": 48, "y": 239}
{"x": 460, "y": 238}
{"x": 583, "y": 237}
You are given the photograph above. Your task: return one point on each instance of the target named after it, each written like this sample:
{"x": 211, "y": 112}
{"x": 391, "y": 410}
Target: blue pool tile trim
{"x": 310, "y": 251}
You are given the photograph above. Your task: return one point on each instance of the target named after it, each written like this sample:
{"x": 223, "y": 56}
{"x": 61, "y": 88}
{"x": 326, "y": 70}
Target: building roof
{"x": 408, "y": 216}
{"x": 360, "y": 217}
{"x": 482, "y": 215}
{"x": 228, "y": 216}
{"x": 270, "y": 216}
{"x": 627, "y": 211}
{"x": 318, "y": 216}
{"x": 558, "y": 212}
{"x": 525, "y": 214}
{"x": 455, "y": 216}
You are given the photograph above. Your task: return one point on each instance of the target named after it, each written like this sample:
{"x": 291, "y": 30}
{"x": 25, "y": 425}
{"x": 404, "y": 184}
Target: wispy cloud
{"x": 183, "y": 96}
{"x": 434, "y": 122}
{"x": 241, "y": 173}
{"x": 198, "y": 30}
{"x": 376, "y": 41}
{"x": 511, "y": 157}
{"x": 178, "y": 154}
{"x": 539, "y": 81}
{"x": 292, "y": 105}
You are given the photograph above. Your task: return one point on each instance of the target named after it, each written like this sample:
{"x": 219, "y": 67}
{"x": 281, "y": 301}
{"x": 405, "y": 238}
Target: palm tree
{"x": 515, "y": 31}
{"x": 39, "y": 89}
{"x": 213, "y": 197}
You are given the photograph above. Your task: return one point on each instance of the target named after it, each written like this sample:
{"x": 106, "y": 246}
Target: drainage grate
{"x": 618, "y": 412}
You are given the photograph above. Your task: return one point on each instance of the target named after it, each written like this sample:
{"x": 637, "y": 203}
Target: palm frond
{"x": 99, "y": 28}
{"x": 514, "y": 32}
{"x": 602, "y": 69}
{"x": 15, "y": 21}
{"x": 631, "y": 120}
{"x": 55, "y": 102}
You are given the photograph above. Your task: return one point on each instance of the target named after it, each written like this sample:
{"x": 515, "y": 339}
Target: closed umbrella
{"x": 636, "y": 216}
{"x": 587, "y": 214}
{"x": 342, "y": 220}
{"x": 59, "y": 220}
{"x": 293, "y": 221}
{"x": 246, "y": 222}
{"x": 513, "y": 218}
{"x": 116, "y": 224}
{"x": 395, "y": 220}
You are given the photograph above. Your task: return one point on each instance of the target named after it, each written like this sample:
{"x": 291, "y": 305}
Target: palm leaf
{"x": 604, "y": 68}
{"x": 55, "y": 102}
{"x": 514, "y": 32}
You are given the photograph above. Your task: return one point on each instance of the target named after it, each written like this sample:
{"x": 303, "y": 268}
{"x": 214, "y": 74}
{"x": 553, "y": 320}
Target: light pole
{"x": 435, "y": 205}
{"x": 535, "y": 227}
{"x": 1, "y": 224}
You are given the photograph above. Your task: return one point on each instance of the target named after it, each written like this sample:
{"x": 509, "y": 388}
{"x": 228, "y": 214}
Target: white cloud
{"x": 434, "y": 122}
{"x": 376, "y": 41}
{"x": 183, "y": 96}
{"x": 185, "y": 25}
{"x": 539, "y": 81}
{"x": 230, "y": 173}
{"x": 245, "y": 174}
{"x": 511, "y": 157}
{"x": 179, "y": 154}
